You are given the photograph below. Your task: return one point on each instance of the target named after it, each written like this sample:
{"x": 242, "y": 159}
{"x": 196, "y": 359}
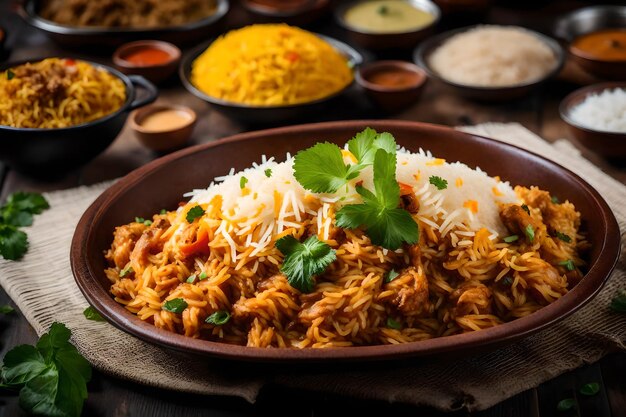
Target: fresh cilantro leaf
{"x": 218, "y": 318}
{"x": 139, "y": 220}
{"x": 148, "y": 222}
{"x": 191, "y": 279}
{"x": 590, "y": 389}
{"x": 526, "y": 209}
{"x": 6, "y": 309}
{"x": 14, "y": 217}
{"x": 194, "y": 213}
{"x": 90, "y": 313}
{"x": 10, "y": 75}
{"x": 163, "y": 211}
{"x": 321, "y": 169}
{"x": 304, "y": 260}
{"x": 52, "y": 376}
{"x": 13, "y": 242}
{"x": 392, "y": 324}
{"x": 618, "y": 303}
{"x": 268, "y": 173}
{"x": 391, "y": 275}
{"x": 565, "y": 238}
{"x": 511, "y": 238}
{"x": 438, "y": 182}
{"x": 33, "y": 203}
{"x": 365, "y": 144}
{"x": 530, "y": 233}
{"x": 554, "y": 199}
{"x": 386, "y": 224}
{"x": 242, "y": 182}
{"x": 126, "y": 271}
{"x": 203, "y": 275}
{"x": 566, "y": 404}
{"x": 568, "y": 264}
{"x": 176, "y": 305}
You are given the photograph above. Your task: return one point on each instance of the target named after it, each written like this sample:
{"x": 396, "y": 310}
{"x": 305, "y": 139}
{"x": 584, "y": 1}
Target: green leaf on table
{"x": 590, "y": 389}
{"x": 90, "y": 313}
{"x": 303, "y": 261}
{"x": 618, "y": 303}
{"x": 13, "y": 242}
{"x": 566, "y": 404}
{"x": 6, "y": 309}
{"x": 33, "y": 203}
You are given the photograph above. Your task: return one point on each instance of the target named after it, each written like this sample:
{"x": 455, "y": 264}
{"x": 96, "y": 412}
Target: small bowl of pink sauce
{"x": 163, "y": 127}
{"x": 155, "y": 60}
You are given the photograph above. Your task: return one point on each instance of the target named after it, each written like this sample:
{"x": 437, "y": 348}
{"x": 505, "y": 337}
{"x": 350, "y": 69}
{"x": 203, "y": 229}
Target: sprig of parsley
{"x": 218, "y": 318}
{"x": 176, "y": 305}
{"x": 386, "y": 224}
{"x": 193, "y": 213}
{"x": 438, "y": 182}
{"x": 305, "y": 260}
{"x": 51, "y": 376}
{"x": 18, "y": 212}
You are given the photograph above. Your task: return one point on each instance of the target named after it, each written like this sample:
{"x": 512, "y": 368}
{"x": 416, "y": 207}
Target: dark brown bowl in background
{"x": 391, "y": 99}
{"x": 612, "y": 145}
{"x": 422, "y": 54}
{"x": 163, "y": 182}
{"x": 382, "y": 41}
{"x": 156, "y": 73}
{"x": 294, "y": 12}
{"x": 166, "y": 139}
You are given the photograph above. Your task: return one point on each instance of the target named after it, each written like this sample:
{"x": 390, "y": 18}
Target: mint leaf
{"x": 13, "y": 242}
{"x": 90, "y": 313}
{"x": 321, "y": 169}
{"x": 218, "y": 318}
{"x": 304, "y": 260}
{"x": 438, "y": 182}
{"x": 176, "y": 305}
{"x": 21, "y": 364}
{"x": 194, "y": 213}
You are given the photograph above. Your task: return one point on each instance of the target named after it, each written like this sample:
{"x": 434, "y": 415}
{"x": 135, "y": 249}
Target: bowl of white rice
{"x": 491, "y": 62}
{"x": 596, "y": 117}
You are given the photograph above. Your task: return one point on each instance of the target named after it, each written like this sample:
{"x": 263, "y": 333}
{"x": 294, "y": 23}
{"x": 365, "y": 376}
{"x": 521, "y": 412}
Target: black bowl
{"x": 589, "y": 19}
{"x": 45, "y": 152}
{"x": 80, "y": 36}
{"x": 265, "y": 114}
{"x": 494, "y": 94}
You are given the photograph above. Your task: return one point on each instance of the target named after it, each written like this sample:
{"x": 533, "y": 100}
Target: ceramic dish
{"x": 296, "y": 13}
{"x": 265, "y": 114}
{"x": 155, "y": 72}
{"x": 72, "y": 36}
{"x": 177, "y": 173}
{"x": 422, "y": 54}
{"x": 42, "y": 152}
{"x": 609, "y": 144}
{"x": 163, "y": 138}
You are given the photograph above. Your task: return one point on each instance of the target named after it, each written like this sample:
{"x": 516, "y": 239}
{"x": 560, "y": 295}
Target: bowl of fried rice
{"x": 59, "y": 113}
{"x": 352, "y": 240}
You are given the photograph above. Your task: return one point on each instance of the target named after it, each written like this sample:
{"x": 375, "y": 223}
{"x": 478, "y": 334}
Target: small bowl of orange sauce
{"x": 155, "y": 60}
{"x": 163, "y": 127}
{"x": 602, "y": 53}
{"x": 392, "y": 85}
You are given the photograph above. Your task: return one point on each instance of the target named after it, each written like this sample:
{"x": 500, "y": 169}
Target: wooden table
{"x": 109, "y": 396}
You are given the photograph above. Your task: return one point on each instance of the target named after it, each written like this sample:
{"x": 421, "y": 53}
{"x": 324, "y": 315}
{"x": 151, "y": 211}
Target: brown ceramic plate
{"x": 162, "y": 183}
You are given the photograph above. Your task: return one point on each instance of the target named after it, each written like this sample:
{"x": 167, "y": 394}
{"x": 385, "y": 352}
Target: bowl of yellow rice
{"x": 59, "y": 113}
{"x": 269, "y": 72}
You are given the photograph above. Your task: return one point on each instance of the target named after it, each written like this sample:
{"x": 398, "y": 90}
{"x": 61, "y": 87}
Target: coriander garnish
{"x": 392, "y": 324}
{"x": 176, "y": 305}
{"x": 218, "y": 318}
{"x": 242, "y": 182}
{"x": 438, "y": 182}
{"x": 511, "y": 238}
{"x": 304, "y": 260}
{"x": 391, "y": 275}
{"x": 194, "y": 212}
{"x": 568, "y": 264}
{"x": 126, "y": 271}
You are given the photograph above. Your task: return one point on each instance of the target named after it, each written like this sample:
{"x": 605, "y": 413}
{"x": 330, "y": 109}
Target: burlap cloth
{"x": 43, "y": 287}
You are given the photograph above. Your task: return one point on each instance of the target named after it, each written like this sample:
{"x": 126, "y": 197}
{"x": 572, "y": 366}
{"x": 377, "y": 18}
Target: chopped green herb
{"x": 18, "y": 212}
{"x": 203, "y": 275}
{"x": 555, "y": 199}
{"x": 6, "y": 309}
{"x": 511, "y": 238}
{"x": 566, "y": 404}
{"x": 176, "y": 305}
{"x": 163, "y": 211}
{"x": 242, "y": 182}
{"x": 391, "y": 275}
{"x": 590, "y": 389}
{"x": 383, "y": 10}
{"x": 268, "y": 173}
{"x": 304, "y": 260}
{"x": 90, "y": 313}
{"x": 530, "y": 233}
{"x": 565, "y": 238}
{"x": 526, "y": 209}
{"x": 569, "y": 264}
{"x": 321, "y": 169}
{"x": 194, "y": 213}
{"x": 191, "y": 279}
{"x": 438, "y": 182}
{"x": 126, "y": 271}
{"x": 148, "y": 222}
{"x": 507, "y": 281}
{"x": 386, "y": 224}
{"x": 218, "y": 318}
{"x": 392, "y": 324}
{"x": 139, "y": 220}
{"x": 51, "y": 376}
{"x": 10, "y": 74}
{"x": 618, "y": 303}
{"x": 13, "y": 242}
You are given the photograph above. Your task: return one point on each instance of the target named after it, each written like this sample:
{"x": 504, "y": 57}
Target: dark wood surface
{"x": 116, "y": 398}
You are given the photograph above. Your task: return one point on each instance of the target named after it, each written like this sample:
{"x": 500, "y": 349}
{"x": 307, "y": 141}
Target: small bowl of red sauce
{"x": 392, "y": 85}
{"x": 155, "y": 60}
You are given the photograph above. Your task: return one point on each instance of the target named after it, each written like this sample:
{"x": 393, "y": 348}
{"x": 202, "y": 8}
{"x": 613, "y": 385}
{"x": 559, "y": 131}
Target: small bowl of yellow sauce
{"x": 163, "y": 127}
{"x": 602, "y": 53}
{"x": 388, "y": 24}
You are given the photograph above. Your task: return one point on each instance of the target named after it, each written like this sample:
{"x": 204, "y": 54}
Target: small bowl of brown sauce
{"x": 155, "y": 60}
{"x": 602, "y": 53}
{"x": 392, "y": 85}
{"x": 163, "y": 127}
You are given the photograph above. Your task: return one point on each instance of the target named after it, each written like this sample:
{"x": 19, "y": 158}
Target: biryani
{"x": 365, "y": 245}
{"x": 270, "y": 65}
{"x": 56, "y": 93}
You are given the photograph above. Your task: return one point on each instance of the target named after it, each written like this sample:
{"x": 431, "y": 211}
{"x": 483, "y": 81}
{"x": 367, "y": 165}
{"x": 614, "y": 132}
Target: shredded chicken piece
{"x": 472, "y": 298}
{"x": 149, "y": 242}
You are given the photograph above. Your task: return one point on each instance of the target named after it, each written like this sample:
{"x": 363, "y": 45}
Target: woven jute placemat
{"x": 43, "y": 288}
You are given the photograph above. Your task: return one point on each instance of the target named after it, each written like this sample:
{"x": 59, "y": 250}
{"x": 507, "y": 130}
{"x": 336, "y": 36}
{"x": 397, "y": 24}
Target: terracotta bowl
{"x": 162, "y": 183}
{"x": 609, "y": 144}
{"x": 297, "y": 13}
{"x": 495, "y": 94}
{"x": 156, "y": 73}
{"x": 391, "y": 99}
{"x": 382, "y": 41}
{"x": 165, "y": 139}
